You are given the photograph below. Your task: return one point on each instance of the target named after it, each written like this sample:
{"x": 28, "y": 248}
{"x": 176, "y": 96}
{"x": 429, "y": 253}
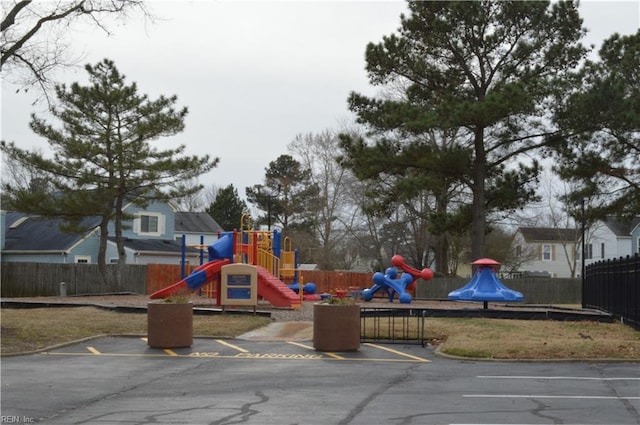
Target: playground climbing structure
{"x": 263, "y": 249}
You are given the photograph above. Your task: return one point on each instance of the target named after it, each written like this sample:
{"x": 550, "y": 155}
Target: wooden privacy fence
{"x": 40, "y": 279}
{"x": 44, "y": 279}
{"x": 160, "y": 276}
{"x": 535, "y": 290}
{"x": 330, "y": 281}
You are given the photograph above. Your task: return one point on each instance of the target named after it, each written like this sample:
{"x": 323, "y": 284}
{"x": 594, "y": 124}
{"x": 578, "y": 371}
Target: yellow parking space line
{"x": 171, "y": 352}
{"x": 400, "y": 353}
{"x": 255, "y": 356}
{"x": 94, "y": 351}
{"x": 235, "y": 347}
{"x": 297, "y": 344}
{"x": 51, "y": 353}
{"x": 335, "y": 356}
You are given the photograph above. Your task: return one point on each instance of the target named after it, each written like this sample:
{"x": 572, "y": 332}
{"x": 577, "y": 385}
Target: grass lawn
{"x": 534, "y": 339}
{"x": 33, "y": 329}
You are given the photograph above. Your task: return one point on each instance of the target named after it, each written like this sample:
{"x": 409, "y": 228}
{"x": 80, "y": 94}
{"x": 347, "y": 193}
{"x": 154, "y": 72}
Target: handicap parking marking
{"x": 233, "y": 349}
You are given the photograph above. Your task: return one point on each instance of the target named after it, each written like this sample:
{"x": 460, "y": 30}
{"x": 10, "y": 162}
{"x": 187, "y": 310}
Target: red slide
{"x": 199, "y": 277}
{"x": 275, "y": 291}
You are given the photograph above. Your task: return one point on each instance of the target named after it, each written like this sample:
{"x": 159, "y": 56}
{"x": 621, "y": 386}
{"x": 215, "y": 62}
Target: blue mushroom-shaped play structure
{"x": 485, "y": 286}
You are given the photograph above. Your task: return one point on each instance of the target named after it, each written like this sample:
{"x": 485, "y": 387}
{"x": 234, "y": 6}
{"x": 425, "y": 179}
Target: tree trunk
{"x": 478, "y": 209}
{"x": 441, "y": 252}
{"x": 102, "y": 249}
{"x": 441, "y": 249}
{"x": 122, "y": 254}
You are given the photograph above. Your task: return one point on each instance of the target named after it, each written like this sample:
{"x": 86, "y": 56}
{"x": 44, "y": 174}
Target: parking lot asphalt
{"x": 119, "y": 380}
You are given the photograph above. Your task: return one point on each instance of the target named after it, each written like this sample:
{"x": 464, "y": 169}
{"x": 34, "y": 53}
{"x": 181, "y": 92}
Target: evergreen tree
{"x": 228, "y": 208}
{"x": 483, "y": 72}
{"x": 286, "y": 194}
{"x": 102, "y": 154}
{"x": 602, "y": 126}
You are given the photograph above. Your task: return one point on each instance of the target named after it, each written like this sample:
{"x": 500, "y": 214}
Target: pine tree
{"x": 601, "y": 120}
{"x": 228, "y": 208}
{"x": 285, "y": 195}
{"x": 103, "y": 157}
{"x": 483, "y": 71}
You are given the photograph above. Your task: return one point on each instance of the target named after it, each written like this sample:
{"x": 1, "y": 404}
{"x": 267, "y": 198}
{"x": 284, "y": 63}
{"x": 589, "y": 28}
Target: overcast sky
{"x": 254, "y": 74}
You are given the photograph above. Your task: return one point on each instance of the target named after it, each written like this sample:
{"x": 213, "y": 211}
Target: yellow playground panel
{"x": 256, "y": 247}
{"x": 287, "y": 259}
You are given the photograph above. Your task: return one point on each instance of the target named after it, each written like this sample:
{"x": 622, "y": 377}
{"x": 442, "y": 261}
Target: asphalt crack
{"x": 353, "y": 413}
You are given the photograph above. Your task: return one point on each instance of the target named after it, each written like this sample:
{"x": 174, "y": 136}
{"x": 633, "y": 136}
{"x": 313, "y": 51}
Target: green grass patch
{"x": 523, "y": 339}
{"x": 33, "y": 329}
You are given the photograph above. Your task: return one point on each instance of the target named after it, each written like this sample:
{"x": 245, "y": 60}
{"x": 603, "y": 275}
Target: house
{"x": 548, "y": 251}
{"x": 197, "y": 228}
{"x": 612, "y": 238}
{"x": 153, "y": 235}
{"x": 30, "y": 238}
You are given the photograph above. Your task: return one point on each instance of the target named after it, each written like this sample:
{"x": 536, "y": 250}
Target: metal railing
{"x": 392, "y": 326}
{"x": 269, "y": 261}
{"x": 614, "y": 286}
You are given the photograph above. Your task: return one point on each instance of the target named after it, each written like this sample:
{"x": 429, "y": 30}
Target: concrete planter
{"x": 336, "y": 327}
{"x": 169, "y": 325}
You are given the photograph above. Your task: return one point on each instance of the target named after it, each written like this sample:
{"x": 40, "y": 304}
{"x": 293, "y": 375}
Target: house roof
{"x": 621, "y": 227}
{"x": 26, "y": 232}
{"x": 549, "y": 234}
{"x": 196, "y": 222}
{"x": 154, "y": 245}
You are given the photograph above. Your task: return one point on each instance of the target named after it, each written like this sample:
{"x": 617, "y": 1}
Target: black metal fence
{"x": 392, "y": 325}
{"x": 614, "y": 286}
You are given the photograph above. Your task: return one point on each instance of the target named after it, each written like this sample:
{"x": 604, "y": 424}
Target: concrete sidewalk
{"x": 281, "y": 331}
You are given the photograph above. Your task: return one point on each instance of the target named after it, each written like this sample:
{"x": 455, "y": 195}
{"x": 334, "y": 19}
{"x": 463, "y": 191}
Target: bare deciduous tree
{"x": 318, "y": 154}
{"x": 34, "y": 35}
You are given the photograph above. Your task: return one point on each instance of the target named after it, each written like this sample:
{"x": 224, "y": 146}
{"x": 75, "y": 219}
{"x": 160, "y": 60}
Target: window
{"x": 546, "y": 252}
{"x": 82, "y": 259}
{"x": 518, "y": 251}
{"x": 148, "y": 224}
{"x": 602, "y": 250}
{"x": 588, "y": 254}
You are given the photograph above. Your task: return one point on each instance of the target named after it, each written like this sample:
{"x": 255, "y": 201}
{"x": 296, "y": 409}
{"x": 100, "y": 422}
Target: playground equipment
{"x": 262, "y": 249}
{"x": 391, "y": 283}
{"x": 485, "y": 286}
